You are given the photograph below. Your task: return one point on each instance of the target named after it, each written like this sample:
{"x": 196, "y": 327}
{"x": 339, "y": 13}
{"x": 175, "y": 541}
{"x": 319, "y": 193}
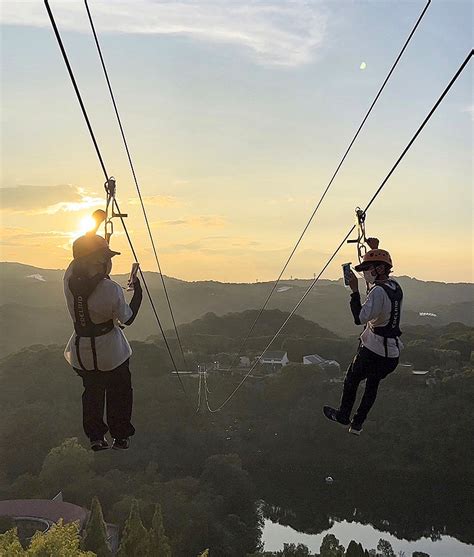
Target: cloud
{"x": 201, "y": 221}
{"x": 282, "y": 33}
{"x": 213, "y": 245}
{"x": 157, "y": 200}
{"x": 15, "y": 236}
{"x": 46, "y": 199}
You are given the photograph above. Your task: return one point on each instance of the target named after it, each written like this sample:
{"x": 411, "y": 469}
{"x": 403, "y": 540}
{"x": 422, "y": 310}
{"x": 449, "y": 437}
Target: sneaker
{"x": 121, "y": 444}
{"x": 333, "y": 415}
{"x": 99, "y": 444}
{"x": 355, "y": 428}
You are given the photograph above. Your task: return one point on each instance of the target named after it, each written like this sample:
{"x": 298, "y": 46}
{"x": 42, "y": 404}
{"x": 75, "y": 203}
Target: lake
{"x": 275, "y": 535}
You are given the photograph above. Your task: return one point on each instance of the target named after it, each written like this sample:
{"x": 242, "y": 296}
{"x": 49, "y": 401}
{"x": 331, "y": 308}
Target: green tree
{"x": 159, "y": 545}
{"x": 330, "y": 547}
{"x": 95, "y": 536}
{"x": 293, "y": 550}
{"x": 385, "y": 548}
{"x": 61, "y": 539}
{"x": 10, "y": 544}
{"x": 69, "y": 460}
{"x": 355, "y": 549}
{"x": 6, "y": 524}
{"x": 134, "y": 542}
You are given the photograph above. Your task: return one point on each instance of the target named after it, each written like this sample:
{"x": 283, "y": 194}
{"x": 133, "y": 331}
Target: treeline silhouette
{"x": 210, "y": 473}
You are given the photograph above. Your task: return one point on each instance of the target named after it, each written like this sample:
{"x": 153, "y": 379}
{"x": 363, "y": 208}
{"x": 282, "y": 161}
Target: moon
{"x": 363, "y": 66}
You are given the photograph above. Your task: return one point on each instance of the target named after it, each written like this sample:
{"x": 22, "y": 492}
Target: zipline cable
{"x": 102, "y": 164}
{"x": 377, "y": 192}
{"x": 135, "y": 178}
{"x": 293, "y": 251}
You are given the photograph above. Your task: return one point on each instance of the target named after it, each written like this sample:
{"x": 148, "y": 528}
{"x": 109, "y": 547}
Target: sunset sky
{"x": 237, "y": 114}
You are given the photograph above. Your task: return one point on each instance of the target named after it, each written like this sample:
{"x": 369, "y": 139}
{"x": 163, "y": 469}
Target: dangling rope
{"x": 341, "y": 162}
{"x": 135, "y": 179}
{"x": 114, "y": 201}
{"x": 377, "y": 192}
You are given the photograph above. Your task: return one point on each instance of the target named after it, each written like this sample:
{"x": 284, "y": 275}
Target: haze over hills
{"x": 32, "y": 307}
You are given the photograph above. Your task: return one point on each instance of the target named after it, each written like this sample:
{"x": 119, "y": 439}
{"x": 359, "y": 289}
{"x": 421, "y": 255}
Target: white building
{"x": 275, "y": 358}
{"x": 329, "y": 365}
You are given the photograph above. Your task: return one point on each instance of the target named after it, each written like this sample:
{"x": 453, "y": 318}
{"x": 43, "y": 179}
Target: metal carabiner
{"x": 361, "y": 237}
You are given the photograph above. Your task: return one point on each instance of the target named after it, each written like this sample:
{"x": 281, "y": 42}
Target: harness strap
{"x": 81, "y": 289}
{"x": 78, "y": 353}
{"x": 94, "y": 353}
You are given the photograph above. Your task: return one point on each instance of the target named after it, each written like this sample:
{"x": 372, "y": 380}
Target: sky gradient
{"x": 237, "y": 114}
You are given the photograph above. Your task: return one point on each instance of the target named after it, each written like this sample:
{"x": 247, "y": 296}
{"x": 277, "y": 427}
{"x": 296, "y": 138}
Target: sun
{"x": 86, "y": 224}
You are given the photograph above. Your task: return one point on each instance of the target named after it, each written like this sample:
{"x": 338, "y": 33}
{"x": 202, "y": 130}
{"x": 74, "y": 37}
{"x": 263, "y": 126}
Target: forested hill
{"x": 31, "y": 295}
{"x": 232, "y": 324}
{"x": 271, "y": 442}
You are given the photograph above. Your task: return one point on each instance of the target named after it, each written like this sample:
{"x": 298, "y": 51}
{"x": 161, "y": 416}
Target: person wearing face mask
{"x": 380, "y": 344}
{"x": 98, "y": 350}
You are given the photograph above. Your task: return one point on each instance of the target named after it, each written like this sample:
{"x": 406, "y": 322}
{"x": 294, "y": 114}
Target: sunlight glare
{"x": 86, "y": 224}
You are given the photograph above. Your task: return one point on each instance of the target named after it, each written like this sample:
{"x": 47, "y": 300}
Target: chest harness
{"x": 81, "y": 288}
{"x": 392, "y": 328}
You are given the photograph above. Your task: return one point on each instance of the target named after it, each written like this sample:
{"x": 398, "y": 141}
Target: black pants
{"x": 113, "y": 388}
{"x": 373, "y": 368}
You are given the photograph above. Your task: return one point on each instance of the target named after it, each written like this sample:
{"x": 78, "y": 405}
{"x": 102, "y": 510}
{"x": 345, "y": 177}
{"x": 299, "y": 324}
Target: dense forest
{"x": 215, "y": 474}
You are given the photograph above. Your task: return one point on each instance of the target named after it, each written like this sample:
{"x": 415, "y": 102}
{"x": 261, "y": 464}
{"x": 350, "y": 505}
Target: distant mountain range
{"x": 32, "y": 307}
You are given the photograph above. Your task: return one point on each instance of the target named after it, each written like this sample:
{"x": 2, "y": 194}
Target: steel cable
{"x": 293, "y": 251}
{"x": 377, "y": 192}
{"x": 104, "y": 169}
{"x": 135, "y": 179}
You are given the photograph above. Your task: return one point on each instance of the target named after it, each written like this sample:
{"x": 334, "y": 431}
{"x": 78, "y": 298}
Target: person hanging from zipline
{"x": 380, "y": 344}
{"x": 98, "y": 350}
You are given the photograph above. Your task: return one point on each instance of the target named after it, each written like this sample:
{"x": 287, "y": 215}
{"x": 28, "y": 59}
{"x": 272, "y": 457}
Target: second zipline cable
{"x": 135, "y": 179}
{"x": 104, "y": 170}
{"x": 377, "y": 192}
{"x": 341, "y": 162}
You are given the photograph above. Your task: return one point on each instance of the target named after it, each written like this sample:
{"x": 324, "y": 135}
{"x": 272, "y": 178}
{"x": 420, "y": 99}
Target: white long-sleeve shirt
{"x": 375, "y": 312}
{"x": 106, "y": 302}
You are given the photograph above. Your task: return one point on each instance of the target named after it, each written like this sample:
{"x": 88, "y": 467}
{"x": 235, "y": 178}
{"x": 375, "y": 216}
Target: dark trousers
{"x": 110, "y": 389}
{"x": 373, "y": 368}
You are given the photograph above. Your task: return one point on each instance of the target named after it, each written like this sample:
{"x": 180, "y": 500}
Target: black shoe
{"x": 334, "y": 415}
{"x": 99, "y": 444}
{"x": 355, "y": 429}
{"x": 121, "y": 444}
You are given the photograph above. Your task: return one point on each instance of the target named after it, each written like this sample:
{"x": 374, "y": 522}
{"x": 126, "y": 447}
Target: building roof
{"x": 274, "y": 355}
{"x": 44, "y": 508}
{"x": 316, "y": 359}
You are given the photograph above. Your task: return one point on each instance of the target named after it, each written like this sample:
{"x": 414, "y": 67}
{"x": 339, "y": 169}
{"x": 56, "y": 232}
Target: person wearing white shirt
{"x": 98, "y": 350}
{"x": 380, "y": 344}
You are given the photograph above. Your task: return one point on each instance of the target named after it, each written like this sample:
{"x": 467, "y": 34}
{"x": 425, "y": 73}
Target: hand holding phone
{"x": 133, "y": 276}
{"x": 347, "y": 273}
{"x": 350, "y": 279}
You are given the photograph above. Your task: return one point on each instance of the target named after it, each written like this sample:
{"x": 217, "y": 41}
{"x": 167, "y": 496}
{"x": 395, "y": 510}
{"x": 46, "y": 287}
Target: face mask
{"x": 369, "y": 277}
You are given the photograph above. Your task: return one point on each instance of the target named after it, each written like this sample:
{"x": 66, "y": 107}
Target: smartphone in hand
{"x": 133, "y": 274}
{"x": 347, "y": 273}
